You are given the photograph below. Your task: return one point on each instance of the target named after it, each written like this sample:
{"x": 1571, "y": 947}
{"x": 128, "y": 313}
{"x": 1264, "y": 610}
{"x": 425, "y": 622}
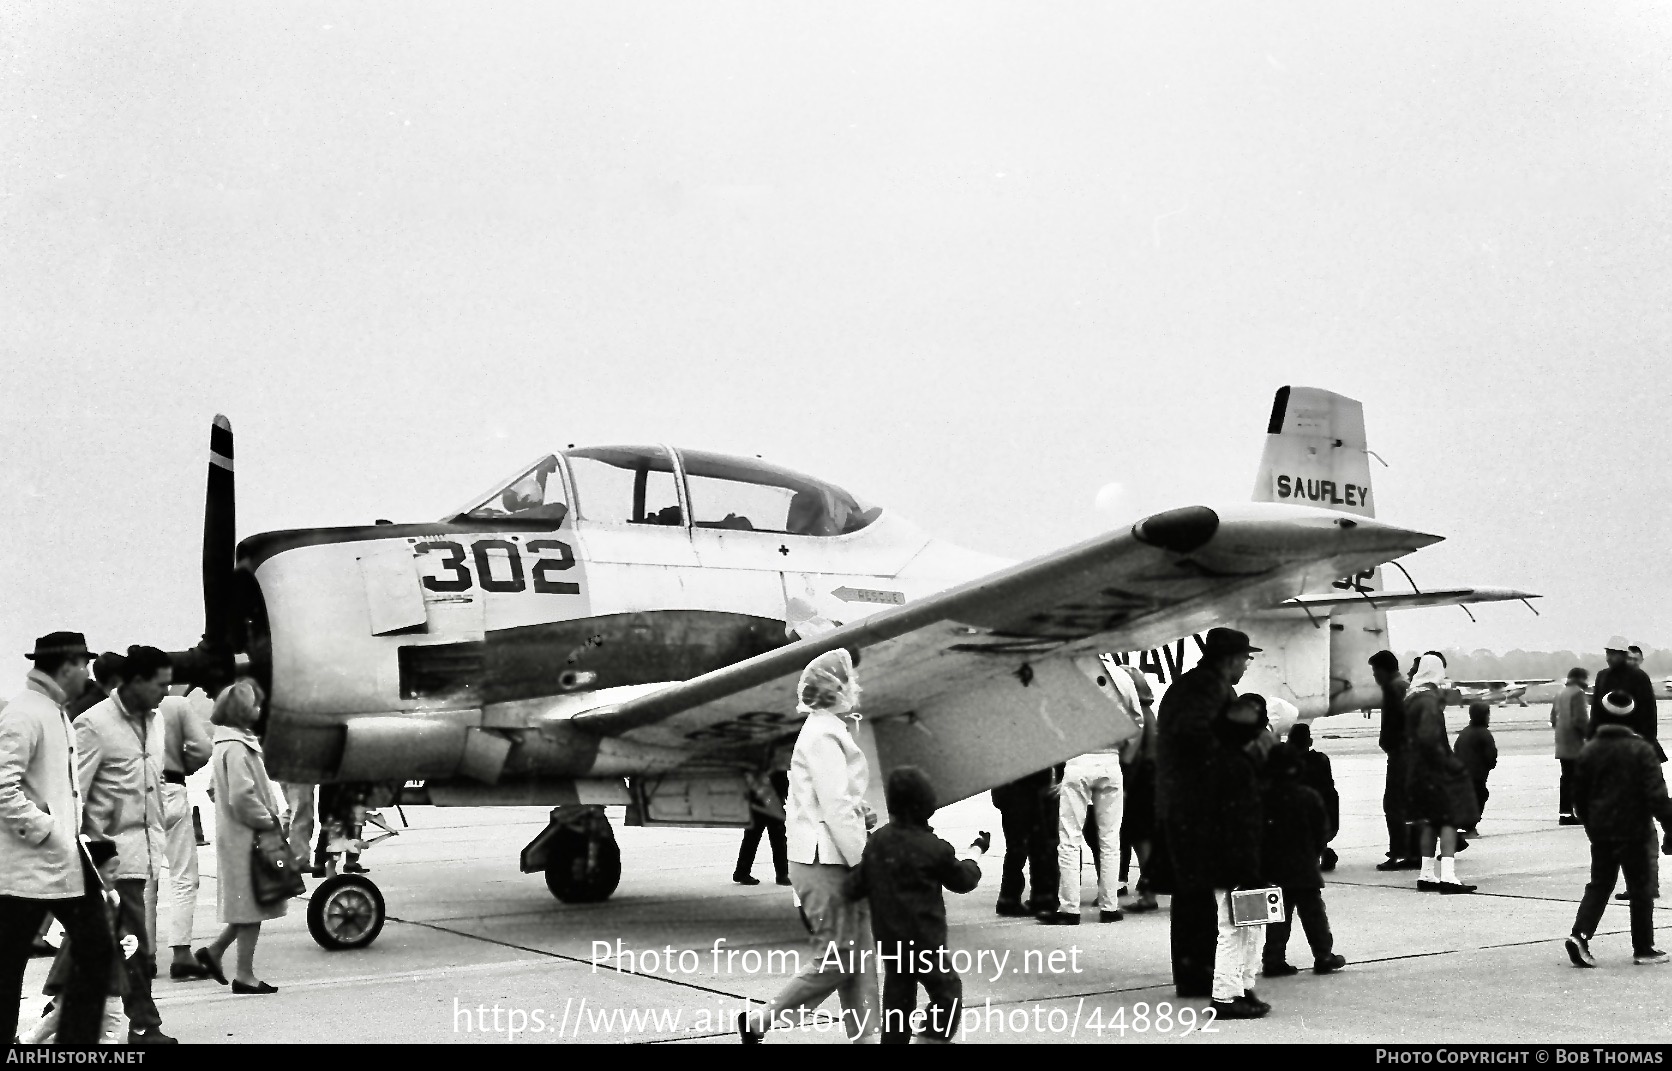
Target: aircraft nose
{"x": 1178, "y": 530}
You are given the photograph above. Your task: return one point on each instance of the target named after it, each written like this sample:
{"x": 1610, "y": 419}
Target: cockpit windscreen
{"x": 534, "y": 494}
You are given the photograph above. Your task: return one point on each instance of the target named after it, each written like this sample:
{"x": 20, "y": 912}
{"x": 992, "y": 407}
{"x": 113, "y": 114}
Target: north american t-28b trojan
{"x": 624, "y": 625}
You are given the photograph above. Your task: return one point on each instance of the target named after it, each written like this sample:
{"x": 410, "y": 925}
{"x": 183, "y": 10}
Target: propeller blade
{"x": 220, "y": 525}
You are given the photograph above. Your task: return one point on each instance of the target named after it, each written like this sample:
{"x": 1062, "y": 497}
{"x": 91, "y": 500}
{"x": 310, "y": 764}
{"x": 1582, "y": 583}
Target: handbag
{"x": 275, "y": 874}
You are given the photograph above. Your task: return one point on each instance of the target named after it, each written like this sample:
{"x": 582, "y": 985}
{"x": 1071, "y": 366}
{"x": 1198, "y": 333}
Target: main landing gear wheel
{"x": 345, "y": 912}
{"x": 583, "y": 869}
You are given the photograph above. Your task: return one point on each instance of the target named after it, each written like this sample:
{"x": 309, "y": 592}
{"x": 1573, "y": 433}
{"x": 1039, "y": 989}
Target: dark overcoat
{"x": 1645, "y": 715}
{"x": 1295, "y": 836}
{"x": 1440, "y": 791}
{"x": 1618, "y": 787}
{"x": 1207, "y": 799}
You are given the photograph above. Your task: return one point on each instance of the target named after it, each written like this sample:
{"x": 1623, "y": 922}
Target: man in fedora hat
{"x": 42, "y": 866}
{"x": 1184, "y": 764}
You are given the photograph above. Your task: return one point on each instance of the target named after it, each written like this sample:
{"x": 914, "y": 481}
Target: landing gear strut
{"x": 578, "y": 853}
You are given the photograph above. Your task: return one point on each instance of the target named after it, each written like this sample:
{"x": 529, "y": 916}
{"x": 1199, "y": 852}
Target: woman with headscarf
{"x": 826, "y": 822}
{"x": 246, "y": 801}
{"x": 1441, "y": 797}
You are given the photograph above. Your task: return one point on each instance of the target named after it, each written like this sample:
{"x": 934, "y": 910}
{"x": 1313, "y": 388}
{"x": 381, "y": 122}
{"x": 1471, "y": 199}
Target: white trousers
{"x": 1236, "y": 958}
{"x": 300, "y": 799}
{"x": 179, "y": 896}
{"x": 45, "y": 1032}
{"x": 1092, "y": 781}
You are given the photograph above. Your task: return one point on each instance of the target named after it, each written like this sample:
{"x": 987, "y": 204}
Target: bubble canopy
{"x": 658, "y": 486}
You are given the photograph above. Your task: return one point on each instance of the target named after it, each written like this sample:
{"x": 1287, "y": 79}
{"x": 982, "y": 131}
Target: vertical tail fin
{"x": 1316, "y": 455}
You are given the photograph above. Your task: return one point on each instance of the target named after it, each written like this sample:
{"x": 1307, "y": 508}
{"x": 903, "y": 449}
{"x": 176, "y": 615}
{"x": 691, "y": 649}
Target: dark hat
{"x": 1636, "y": 650}
{"x": 1226, "y": 641}
{"x": 1283, "y": 760}
{"x": 910, "y": 794}
{"x": 60, "y": 643}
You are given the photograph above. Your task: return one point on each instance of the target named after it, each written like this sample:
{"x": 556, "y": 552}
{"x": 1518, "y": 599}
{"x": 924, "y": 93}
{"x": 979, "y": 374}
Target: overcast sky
{"x": 976, "y": 262}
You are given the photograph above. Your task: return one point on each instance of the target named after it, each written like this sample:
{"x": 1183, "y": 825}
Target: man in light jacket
{"x": 826, "y": 822}
{"x": 120, "y": 763}
{"x": 42, "y": 867}
{"x": 1571, "y": 721}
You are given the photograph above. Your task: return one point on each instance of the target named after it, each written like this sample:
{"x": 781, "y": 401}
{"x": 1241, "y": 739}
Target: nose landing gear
{"x": 346, "y": 910}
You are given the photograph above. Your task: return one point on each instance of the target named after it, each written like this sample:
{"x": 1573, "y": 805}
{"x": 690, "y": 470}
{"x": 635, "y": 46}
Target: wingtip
{"x": 222, "y": 422}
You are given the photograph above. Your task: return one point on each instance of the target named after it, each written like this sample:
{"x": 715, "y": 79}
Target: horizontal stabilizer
{"x": 1408, "y": 600}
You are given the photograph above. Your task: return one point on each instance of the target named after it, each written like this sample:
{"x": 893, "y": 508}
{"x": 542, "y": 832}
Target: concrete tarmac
{"x": 466, "y": 934}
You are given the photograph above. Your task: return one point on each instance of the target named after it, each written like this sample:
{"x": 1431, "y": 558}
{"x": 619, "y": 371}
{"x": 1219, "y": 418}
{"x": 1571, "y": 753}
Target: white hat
{"x": 1617, "y": 643}
{"x": 1615, "y": 708}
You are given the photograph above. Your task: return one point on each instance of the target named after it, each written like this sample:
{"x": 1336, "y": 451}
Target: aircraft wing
{"x": 1167, "y": 576}
{"x": 1407, "y": 600}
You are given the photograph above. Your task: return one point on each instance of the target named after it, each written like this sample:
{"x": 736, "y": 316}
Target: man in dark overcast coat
{"x": 1402, "y": 852}
{"x": 1622, "y": 676}
{"x": 1184, "y": 763}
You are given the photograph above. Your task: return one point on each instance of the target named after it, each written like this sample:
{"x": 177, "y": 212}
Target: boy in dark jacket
{"x": 903, "y": 870}
{"x": 1477, "y": 751}
{"x": 1317, "y": 774}
{"x": 1296, "y": 829}
{"x": 1618, "y": 789}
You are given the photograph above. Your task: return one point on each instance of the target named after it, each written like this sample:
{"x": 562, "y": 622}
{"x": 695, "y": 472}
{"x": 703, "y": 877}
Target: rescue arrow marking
{"x": 893, "y": 598}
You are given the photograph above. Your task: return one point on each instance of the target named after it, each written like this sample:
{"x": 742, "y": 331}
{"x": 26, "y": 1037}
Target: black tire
{"x": 345, "y": 912}
{"x": 583, "y": 870}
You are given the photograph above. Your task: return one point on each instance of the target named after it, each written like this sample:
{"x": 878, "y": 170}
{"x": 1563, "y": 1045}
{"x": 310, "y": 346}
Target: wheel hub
{"x": 348, "y": 914}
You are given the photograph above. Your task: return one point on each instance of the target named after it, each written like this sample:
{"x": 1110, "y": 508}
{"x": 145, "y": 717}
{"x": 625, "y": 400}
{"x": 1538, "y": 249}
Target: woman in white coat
{"x": 245, "y": 801}
{"x": 826, "y": 820}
